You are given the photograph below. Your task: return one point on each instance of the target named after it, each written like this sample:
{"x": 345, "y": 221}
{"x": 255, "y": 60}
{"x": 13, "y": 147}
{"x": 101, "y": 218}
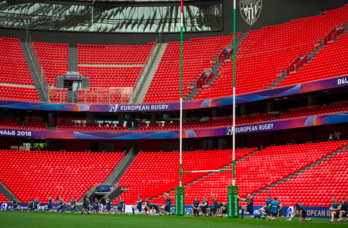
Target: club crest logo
{"x": 290, "y": 211}
{"x": 250, "y": 10}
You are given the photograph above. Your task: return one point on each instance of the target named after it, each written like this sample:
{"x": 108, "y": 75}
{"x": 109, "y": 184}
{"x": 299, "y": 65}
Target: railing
{"x": 149, "y": 62}
{"x": 59, "y": 95}
{"x": 112, "y": 95}
{"x": 333, "y": 34}
{"x": 37, "y": 66}
{"x": 294, "y": 66}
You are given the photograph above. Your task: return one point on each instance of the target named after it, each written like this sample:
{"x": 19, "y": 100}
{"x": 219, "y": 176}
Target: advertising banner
{"x": 187, "y": 105}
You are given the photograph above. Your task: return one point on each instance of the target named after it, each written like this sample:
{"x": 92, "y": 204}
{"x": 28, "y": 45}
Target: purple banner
{"x": 187, "y": 105}
{"x": 68, "y": 77}
{"x": 197, "y": 133}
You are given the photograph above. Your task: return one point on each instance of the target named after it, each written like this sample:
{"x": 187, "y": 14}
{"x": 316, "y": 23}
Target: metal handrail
{"x": 149, "y": 62}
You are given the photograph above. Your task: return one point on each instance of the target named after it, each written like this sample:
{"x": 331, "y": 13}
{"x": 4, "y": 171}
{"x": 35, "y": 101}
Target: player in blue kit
{"x": 107, "y": 205}
{"x": 30, "y": 204}
{"x": 250, "y": 206}
{"x": 214, "y": 207}
{"x": 265, "y": 209}
{"x": 167, "y": 205}
{"x": 138, "y": 205}
{"x": 335, "y": 210}
{"x": 120, "y": 207}
{"x": 86, "y": 205}
{"x": 152, "y": 208}
{"x": 36, "y": 204}
{"x": 222, "y": 209}
{"x": 302, "y": 212}
{"x": 96, "y": 205}
{"x": 15, "y": 205}
{"x": 49, "y": 205}
{"x": 60, "y": 205}
{"x": 195, "y": 206}
{"x": 146, "y": 205}
{"x": 73, "y": 205}
{"x": 275, "y": 208}
{"x": 204, "y": 207}
{"x": 343, "y": 210}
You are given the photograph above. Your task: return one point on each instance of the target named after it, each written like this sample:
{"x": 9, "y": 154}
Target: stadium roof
{"x": 110, "y": 17}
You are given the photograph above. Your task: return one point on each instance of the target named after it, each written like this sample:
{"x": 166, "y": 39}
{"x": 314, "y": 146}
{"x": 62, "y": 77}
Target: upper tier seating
{"x": 153, "y": 173}
{"x": 19, "y": 93}
{"x": 314, "y": 187}
{"x": 198, "y": 54}
{"x": 265, "y": 53}
{"x": 262, "y": 169}
{"x": 37, "y": 125}
{"x": 53, "y": 58}
{"x": 54, "y": 174}
{"x": 330, "y": 62}
{"x": 14, "y": 68}
{"x": 3, "y": 199}
{"x": 114, "y": 54}
{"x": 111, "y": 76}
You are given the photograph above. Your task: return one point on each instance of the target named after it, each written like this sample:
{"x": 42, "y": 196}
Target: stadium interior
{"x": 60, "y": 79}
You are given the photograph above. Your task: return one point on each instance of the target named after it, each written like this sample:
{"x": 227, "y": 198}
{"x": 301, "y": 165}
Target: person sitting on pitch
{"x": 195, "y": 206}
{"x": 60, "y": 205}
{"x": 73, "y": 205}
{"x": 335, "y": 210}
{"x": 343, "y": 210}
{"x": 265, "y": 209}
{"x": 223, "y": 209}
{"x": 204, "y": 207}
{"x": 152, "y": 208}
{"x": 120, "y": 207}
{"x": 30, "y": 204}
{"x": 275, "y": 207}
{"x": 15, "y": 205}
{"x": 250, "y": 206}
{"x": 85, "y": 205}
{"x": 301, "y": 211}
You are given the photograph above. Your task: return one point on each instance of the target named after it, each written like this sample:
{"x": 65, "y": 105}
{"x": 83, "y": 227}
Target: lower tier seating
{"x": 261, "y": 169}
{"x": 314, "y": 187}
{"x": 54, "y": 174}
{"x": 3, "y": 199}
{"x": 90, "y": 127}
{"x": 153, "y": 173}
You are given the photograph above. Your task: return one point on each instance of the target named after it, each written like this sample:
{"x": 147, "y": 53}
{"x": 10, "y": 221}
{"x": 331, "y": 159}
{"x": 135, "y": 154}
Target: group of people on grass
{"x": 271, "y": 209}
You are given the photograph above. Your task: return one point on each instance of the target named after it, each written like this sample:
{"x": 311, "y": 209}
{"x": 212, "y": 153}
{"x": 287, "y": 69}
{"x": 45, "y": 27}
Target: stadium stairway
{"x": 338, "y": 151}
{"x": 171, "y": 193}
{"x": 72, "y": 59}
{"x": 148, "y": 76}
{"x": 214, "y": 69}
{"x": 311, "y": 56}
{"x": 32, "y": 65}
{"x": 7, "y": 193}
{"x": 116, "y": 175}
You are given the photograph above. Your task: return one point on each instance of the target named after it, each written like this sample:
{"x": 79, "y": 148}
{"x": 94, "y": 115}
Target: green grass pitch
{"x": 52, "y": 219}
